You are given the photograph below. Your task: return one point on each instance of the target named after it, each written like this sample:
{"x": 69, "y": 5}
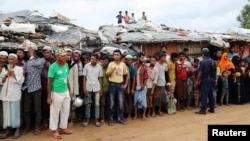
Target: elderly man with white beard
{"x": 12, "y": 79}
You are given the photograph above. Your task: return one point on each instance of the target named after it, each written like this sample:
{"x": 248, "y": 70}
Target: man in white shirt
{"x": 92, "y": 82}
{"x": 12, "y": 79}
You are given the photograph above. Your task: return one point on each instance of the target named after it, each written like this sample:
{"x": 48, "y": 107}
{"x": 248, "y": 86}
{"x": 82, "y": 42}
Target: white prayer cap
{"x": 14, "y": 55}
{"x": 129, "y": 57}
{"x": 4, "y": 53}
{"x": 47, "y": 48}
{"x": 68, "y": 50}
{"x": 168, "y": 84}
{"x": 33, "y": 46}
{"x": 78, "y": 51}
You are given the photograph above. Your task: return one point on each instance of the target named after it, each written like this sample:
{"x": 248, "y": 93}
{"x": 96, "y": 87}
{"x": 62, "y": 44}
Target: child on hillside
{"x": 224, "y": 91}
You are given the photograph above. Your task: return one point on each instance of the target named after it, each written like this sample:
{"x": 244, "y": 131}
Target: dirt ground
{"x": 179, "y": 127}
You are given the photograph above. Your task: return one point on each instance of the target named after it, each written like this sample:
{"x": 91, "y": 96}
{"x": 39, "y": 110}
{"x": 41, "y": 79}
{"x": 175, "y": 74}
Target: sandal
{"x": 56, "y": 135}
{"x": 16, "y": 135}
{"x": 110, "y": 123}
{"x": 65, "y": 131}
{"x": 37, "y": 132}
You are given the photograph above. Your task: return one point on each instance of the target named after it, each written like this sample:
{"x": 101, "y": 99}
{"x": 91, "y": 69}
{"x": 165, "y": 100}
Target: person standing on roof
{"x": 132, "y": 18}
{"x": 119, "y": 17}
{"x": 126, "y": 17}
{"x": 144, "y": 17}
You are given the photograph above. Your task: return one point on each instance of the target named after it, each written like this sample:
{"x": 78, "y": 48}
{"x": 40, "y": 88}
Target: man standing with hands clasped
{"x": 59, "y": 95}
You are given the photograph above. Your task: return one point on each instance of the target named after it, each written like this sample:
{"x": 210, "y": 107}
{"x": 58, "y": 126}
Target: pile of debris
{"x": 149, "y": 32}
{"x": 55, "y": 31}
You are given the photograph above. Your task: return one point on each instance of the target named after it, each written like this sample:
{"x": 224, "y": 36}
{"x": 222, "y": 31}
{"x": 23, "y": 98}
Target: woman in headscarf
{"x": 226, "y": 64}
{"x": 236, "y": 83}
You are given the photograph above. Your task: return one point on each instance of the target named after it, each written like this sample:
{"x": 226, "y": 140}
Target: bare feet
{"x": 144, "y": 118}
{"x": 102, "y": 121}
{"x": 153, "y": 114}
{"x": 135, "y": 117}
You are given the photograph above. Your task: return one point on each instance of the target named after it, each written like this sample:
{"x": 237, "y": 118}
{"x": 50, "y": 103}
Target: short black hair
{"x": 182, "y": 53}
{"x": 196, "y": 60}
{"x": 105, "y": 57}
{"x": 163, "y": 47}
{"x": 174, "y": 55}
{"x": 162, "y": 55}
{"x": 95, "y": 55}
{"x": 123, "y": 56}
{"x": 117, "y": 51}
{"x": 20, "y": 49}
{"x": 155, "y": 57}
{"x": 140, "y": 54}
{"x": 186, "y": 49}
{"x": 96, "y": 50}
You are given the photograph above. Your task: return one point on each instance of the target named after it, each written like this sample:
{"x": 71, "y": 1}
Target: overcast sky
{"x": 200, "y": 15}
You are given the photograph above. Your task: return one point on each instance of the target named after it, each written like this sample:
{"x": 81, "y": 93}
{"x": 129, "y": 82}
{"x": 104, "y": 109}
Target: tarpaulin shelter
{"x": 56, "y": 30}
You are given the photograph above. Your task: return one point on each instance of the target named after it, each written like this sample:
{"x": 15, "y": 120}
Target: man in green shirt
{"x": 59, "y": 95}
{"x": 105, "y": 87}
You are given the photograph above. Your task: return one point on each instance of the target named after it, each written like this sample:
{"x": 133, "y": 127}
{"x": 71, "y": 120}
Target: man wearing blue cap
{"x": 206, "y": 80}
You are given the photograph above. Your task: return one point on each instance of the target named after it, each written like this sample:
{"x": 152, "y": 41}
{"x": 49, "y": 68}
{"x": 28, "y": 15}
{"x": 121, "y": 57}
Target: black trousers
{"x": 32, "y": 106}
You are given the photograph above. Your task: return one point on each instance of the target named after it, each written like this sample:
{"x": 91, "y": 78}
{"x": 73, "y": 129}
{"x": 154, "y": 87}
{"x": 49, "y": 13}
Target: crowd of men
{"x": 40, "y": 92}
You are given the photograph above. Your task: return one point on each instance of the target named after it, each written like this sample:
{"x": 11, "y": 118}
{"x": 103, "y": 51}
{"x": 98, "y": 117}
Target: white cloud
{"x": 202, "y": 15}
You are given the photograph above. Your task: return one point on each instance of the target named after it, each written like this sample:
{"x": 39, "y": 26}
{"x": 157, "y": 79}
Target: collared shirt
{"x": 92, "y": 74}
{"x": 207, "y": 67}
{"x": 152, "y": 76}
{"x": 33, "y": 74}
{"x": 11, "y": 90}
{"x": 142, "y": 74}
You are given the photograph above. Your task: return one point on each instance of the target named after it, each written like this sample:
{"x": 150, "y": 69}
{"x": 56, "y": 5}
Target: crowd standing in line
{"x": 39, "y": 92}
{"x": 129, "y": 19}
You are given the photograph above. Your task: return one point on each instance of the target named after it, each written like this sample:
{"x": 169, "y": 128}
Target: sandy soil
{"x": 179, "y": 127}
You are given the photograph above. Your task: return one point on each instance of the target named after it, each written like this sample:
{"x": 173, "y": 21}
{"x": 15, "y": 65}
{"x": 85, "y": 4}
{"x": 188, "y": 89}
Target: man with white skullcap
{"x": 49, "y": 59}
{"x": 12, "y": 79}
{"x": 3, "y": 62}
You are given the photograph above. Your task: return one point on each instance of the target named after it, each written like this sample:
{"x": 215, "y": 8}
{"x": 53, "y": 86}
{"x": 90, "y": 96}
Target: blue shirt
{"x": 33, "y": 74}
{"x": 190, "y": 84}
{"x": 119, "y": 17}
{"x": 231, "y": 55}
{"x": 207, "y": 67}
